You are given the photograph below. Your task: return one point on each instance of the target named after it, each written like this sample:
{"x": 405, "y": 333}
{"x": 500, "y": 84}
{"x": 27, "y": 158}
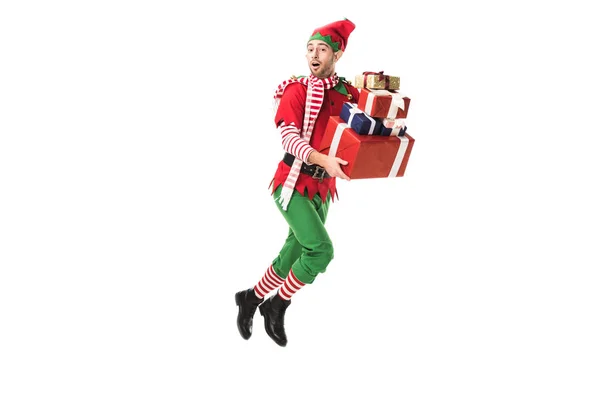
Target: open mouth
{"x": 315, "y": 64}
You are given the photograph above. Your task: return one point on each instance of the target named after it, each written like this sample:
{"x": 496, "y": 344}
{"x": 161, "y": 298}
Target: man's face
{"x": 321, "y": 59}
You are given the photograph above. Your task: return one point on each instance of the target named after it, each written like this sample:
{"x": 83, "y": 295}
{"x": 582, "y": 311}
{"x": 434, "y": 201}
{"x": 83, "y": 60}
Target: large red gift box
{"x": 368, "y": 156}
{"x": 383, "y": 103}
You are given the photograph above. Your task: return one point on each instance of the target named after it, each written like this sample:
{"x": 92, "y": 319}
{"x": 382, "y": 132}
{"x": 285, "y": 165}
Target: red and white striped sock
{"x": 268, "y": 282}
{"x": 290, "y": 286}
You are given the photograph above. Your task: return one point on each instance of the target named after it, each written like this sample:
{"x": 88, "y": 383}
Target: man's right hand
{"x": 331, "y": 164}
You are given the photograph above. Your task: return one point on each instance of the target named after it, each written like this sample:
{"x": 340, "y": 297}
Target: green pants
{"x": 308, "y": 249}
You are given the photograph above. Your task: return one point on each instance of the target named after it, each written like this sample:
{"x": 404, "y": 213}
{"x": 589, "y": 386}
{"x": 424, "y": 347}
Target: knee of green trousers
{"x": 313, "y": 261}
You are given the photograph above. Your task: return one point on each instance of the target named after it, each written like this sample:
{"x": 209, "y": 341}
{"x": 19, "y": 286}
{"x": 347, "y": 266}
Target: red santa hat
{"x": 334, "y": 34}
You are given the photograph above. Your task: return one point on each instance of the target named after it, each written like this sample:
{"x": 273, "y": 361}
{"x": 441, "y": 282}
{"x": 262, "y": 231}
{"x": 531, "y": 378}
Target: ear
{"x": 338, "y": 54}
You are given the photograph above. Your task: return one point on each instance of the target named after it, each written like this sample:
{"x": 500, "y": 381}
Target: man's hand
{"x": 331, "y": 164}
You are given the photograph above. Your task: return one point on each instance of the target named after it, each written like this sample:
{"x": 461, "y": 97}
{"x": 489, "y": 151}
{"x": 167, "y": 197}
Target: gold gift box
{"x": 377, "y": 81}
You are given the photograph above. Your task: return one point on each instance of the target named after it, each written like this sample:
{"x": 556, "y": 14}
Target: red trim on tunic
{"x": 291, "y": 109}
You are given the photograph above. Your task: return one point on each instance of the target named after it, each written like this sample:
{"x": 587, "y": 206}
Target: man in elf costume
{"x": 304, "y": 182}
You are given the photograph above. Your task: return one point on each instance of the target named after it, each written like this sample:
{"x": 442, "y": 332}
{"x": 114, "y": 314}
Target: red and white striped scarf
{"x": 314, "y": 100}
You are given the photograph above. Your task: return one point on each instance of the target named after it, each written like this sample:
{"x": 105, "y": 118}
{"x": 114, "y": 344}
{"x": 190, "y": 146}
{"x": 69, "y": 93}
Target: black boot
{"x": 273, "y": 310}
{"x": 247, "y": 303}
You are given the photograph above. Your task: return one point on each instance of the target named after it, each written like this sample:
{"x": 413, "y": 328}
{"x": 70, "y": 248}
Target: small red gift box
{"x": 383, "y": 103}
{"x": 368, "y": 156}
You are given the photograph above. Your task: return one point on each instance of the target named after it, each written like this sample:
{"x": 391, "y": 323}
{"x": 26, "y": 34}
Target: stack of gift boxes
{"x": 371, "y": 134}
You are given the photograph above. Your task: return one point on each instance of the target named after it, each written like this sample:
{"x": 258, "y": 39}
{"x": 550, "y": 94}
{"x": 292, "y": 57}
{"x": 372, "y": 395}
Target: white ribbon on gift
{"x": 355, "y": 110}
{"x": 399, "y": 156}
{"x": 395, "y": 124}
{"x": 337, "y": 136}
{"x": 397, "y": 101}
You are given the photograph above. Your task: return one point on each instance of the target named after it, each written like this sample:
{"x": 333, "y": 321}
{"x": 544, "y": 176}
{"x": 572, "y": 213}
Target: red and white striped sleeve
{"x": 289, "y": 118}
{"x": 292, "y": 142}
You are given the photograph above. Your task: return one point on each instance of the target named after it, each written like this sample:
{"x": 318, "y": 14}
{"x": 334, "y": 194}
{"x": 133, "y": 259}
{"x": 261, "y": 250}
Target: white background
{"x": 136, "y": 148}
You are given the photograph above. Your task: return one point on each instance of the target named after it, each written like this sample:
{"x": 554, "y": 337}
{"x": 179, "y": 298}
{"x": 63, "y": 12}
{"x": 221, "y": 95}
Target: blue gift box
{"x": 360, "y": 122}
{"x": 398, "y": 131}
{"x": 392, "y": 127}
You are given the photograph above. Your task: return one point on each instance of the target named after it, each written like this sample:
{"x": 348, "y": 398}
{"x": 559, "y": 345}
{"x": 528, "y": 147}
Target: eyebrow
{"x": 318, "y": 44}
